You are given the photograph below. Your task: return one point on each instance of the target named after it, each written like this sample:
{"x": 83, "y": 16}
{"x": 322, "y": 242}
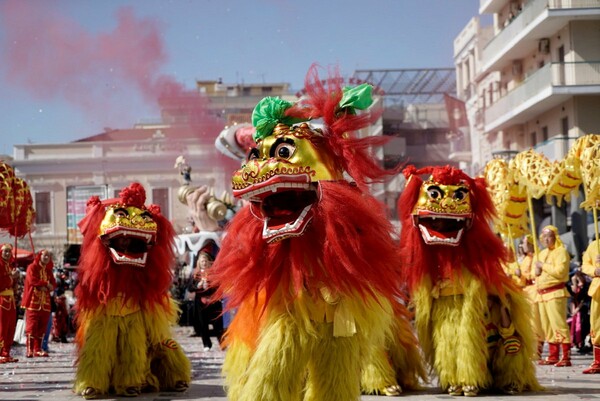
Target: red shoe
{"x": 593, "y": 369}
{"x": 595, "y": 366}
{"x": 566, "y": 356}
{"x": 552, "y": 358}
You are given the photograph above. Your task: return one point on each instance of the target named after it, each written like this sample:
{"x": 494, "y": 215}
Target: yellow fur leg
{"x": 377, "y": 372}
{"x": 235, "y": 367}
{"x": 170, "y": 365}
{"x": 277, "y": 368}
{"x": 517, "y": 370}
{"x": 405, "y": 355}
{"x": 105, "y": 348}
{"x": 129, "y": 371}
{"x": 334, "y": 369}
{"x": 461, "y": 353}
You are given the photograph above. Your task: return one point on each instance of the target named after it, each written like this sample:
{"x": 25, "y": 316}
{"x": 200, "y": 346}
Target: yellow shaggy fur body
{"x": 132, "y": 349}
{"x": 301, "y": 335}
{"x": 459, "y": 346}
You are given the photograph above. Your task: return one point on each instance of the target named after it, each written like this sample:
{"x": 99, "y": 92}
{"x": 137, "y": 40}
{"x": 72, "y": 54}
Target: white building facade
{"x": 531, "y": 79}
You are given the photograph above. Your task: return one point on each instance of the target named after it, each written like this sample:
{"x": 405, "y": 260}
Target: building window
{"x": 545, "y": 133}
{"x": 266, "y": 89}
{"x": 42, "y": 208}
{"x": 533, "y": 138}
{"x": 565, "y": 126}
{"x": 160, "y": 197}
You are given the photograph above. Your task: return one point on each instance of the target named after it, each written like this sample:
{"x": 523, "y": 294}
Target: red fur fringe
{"x": 480, "y": 251}
{"x": 352, "y": 153}
{"x": 348, "y": 246}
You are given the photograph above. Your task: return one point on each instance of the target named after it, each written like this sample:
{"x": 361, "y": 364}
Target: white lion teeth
{"x": 274, "y": 187}
{"x": 435, "y": 239}
{"x": 287, "y": 228}
{"x": 122, "y": 259}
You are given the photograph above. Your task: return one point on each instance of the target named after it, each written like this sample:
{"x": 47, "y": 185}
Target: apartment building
{"x": 530, "y": 79}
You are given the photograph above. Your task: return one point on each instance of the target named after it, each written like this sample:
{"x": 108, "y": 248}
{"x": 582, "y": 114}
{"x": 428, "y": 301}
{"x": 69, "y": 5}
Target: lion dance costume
{"x": 124, "y": 311}
{"x": 472, "y": 321}
{"x": 310, "y": 263}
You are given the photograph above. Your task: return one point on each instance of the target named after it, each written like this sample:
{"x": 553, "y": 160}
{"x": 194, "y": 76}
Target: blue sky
{"x": 71, "y": 68}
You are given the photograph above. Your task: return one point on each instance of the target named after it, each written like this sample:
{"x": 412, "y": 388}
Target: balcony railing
{"x": 536, "y": 87}
{"x": 529, "y": 13}
{"x": 521, "y": 23}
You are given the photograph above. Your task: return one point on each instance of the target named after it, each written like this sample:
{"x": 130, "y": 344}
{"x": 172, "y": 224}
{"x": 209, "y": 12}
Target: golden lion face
{"x": 280, "y": 177}
{"x": 128, "y": 232}
{"x": 442, "y": 213}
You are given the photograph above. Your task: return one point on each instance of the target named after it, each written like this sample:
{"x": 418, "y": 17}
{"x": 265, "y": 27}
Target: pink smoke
{"x": 54, "y": 57}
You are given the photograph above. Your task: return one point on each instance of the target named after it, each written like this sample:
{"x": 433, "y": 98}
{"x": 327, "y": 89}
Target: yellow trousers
{"x": 553, "y": 316}
{"x": 530, "y": 292}
{"x": 595, "y": 321}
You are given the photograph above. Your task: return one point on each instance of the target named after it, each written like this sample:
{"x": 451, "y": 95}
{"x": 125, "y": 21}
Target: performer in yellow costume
{"x": 551, "y": 275}
{"x": 591, "y": 266}
{"x": 311, "y": 262}
{"x": 124, "y": 311}
{"x": 472, "y": 320}
{"x": 527, "y": 274}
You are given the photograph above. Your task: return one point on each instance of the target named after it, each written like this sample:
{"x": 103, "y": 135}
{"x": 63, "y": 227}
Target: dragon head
{"x": 443, "y": 210}
{"x": 281, "y": 175}
{"x": 128, "y": 229}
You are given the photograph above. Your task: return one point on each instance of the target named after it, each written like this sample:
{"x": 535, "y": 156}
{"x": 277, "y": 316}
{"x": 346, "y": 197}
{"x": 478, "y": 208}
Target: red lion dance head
{"x": 127, "y": 251}
{"x": 306, "y": 224}
{"x": 446, "y": 226}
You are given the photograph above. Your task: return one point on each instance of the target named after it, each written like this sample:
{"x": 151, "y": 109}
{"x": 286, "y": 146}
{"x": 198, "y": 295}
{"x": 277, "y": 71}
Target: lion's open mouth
{"x": 286, "y": 204}
{"x": 128, "y": 246}
{"x": 287, "y": 213}
{"x": 442, "y": 229}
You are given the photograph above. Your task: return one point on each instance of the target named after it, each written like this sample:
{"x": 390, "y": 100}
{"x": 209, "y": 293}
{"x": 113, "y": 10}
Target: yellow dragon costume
{"x": 124, "y": 311}
{"x": 311, "y": 263}
{"x": 472, "y": 321}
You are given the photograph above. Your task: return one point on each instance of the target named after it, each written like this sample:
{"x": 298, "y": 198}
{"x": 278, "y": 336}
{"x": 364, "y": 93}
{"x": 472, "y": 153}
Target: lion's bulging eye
{"x": 253, "y": 154}
{"x": 460, "y": 194}
{"x": 435, "y": 192}
{"x": 121, "y": 213}
{"x": 285, "y": 150}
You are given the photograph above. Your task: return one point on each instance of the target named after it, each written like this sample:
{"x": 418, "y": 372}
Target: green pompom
{"x": 269, "y": 112}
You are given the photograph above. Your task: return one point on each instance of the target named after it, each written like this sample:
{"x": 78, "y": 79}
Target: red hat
{"x": 210, "y": 249}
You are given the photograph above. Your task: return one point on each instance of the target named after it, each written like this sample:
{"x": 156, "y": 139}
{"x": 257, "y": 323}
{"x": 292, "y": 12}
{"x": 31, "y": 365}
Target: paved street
{"x": 51, "y": 379}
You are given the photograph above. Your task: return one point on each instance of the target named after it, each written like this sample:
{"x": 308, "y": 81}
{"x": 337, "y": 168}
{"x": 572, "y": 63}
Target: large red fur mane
{"x": 347, "y": 247}
{"x": 341, "y": 140}
{"x": 100, "y": 280}
{"x": 480, "y": 251}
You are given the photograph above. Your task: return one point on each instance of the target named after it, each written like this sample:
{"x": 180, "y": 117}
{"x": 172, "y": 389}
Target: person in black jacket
{"x": 205, "y": 312}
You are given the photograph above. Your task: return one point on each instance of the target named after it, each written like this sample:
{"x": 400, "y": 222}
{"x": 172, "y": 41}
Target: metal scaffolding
{"x": 410, "y": 86}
